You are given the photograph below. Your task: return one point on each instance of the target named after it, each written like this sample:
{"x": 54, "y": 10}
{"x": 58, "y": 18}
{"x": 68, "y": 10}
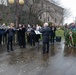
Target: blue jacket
{"x": 2, "y": 31}
{"x": 10, "y": 32}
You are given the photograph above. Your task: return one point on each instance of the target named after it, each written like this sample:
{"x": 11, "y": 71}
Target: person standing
{"x": 4, "y": 35}
{"x": 45, "y": 30}
{"x": 28, "y": 33}
{"x": 10, "y": 32}
{"x": 21, "y": 35}
{"x": 32, "y": 36}
{"x": 19, "y": 32}
{"x": 53, "y": 34}
{"x": 38, "y": 35}
{"x": 65, "y": 32}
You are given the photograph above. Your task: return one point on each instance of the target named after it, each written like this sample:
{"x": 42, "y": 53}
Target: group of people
{"x": 70, "y": 34}
{"x": 31, "y": 36}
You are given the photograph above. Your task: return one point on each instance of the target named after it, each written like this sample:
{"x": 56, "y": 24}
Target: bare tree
{"x": 67, "y": 13}
{"x": 3, "y": 11}
{"x": 33, "y": 6}
{"x": 36, "y": 8}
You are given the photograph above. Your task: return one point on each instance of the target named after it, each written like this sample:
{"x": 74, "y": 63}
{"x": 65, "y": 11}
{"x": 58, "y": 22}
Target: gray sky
{"x": 70, "y": 4}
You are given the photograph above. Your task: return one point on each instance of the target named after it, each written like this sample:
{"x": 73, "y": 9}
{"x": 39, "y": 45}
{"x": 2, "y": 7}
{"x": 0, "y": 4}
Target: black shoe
{"x": 24, "y": 46}
{"x": 11, "y": 49}
{"x": 47, "y": 52}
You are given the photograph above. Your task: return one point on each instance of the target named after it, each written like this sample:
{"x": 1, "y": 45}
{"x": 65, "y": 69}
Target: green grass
{"x": 60, "y": 32}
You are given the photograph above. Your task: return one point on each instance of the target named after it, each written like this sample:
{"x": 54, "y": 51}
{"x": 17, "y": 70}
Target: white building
{"x": 48, "y": 11}
{"x": 51, "y": 13}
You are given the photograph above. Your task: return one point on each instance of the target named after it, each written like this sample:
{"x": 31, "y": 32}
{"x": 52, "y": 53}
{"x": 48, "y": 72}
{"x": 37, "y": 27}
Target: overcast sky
{"x": 70, "y": 4}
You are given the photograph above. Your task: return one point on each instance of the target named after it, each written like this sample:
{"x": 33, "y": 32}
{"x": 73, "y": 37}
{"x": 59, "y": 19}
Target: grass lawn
{"x": 60, "y": 32}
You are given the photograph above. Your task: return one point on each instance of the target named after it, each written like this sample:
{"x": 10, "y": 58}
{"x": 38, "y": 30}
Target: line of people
{"x": 22, "y": 33}
{"x": 27, "y": 35}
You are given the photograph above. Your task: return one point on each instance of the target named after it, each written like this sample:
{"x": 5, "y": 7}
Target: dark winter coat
{"x": 53, "y": 29}
{"x": 45, "y": 33}
{"x": 10, "y": 32}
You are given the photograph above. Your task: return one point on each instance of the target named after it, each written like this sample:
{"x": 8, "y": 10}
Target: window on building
{"x": 40, "y": 17}
{"x": 48, "y": 18}
{"x": 48, "y": 7}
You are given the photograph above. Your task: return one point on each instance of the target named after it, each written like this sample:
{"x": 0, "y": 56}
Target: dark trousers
{"x": 28, "y": 38}
{"x": 9, "y": 43}
{"x": 32, "y": 40}
{"x": 22, "y": 41}
{"x": 52, "y": 39}
{"x": 45, "y": 47}
{"x": 4, "y": 39}
{"x": 37, "y": 39}
{"x": 0, "y": 39}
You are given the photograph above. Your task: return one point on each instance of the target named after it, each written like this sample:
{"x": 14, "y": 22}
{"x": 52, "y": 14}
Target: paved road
{"x": 30, "y": 61}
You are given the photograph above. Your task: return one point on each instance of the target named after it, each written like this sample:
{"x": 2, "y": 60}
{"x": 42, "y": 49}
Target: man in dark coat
{"x": 53, "y": 30}
{"x": 10, "y": 33}
{"x": 32, "y": 36}
{"x": 21, "y": 36}
{"x": 45, "y": 37}
{"x": 19, "y": 32}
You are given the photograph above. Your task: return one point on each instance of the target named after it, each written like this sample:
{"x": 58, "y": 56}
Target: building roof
{"x": 52, "y": 3}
